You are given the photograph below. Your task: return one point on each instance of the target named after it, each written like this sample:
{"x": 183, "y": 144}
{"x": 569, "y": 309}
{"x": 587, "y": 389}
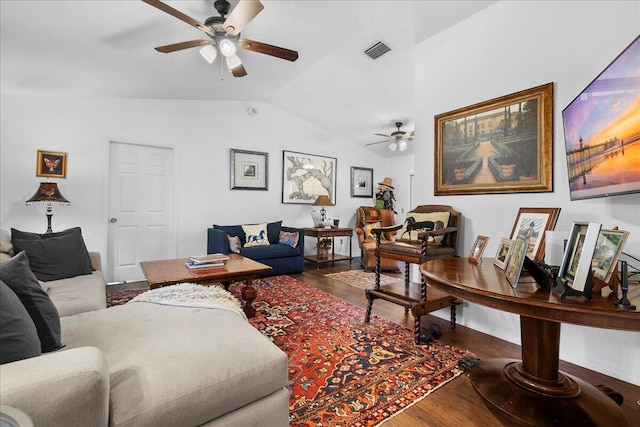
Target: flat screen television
{"x": 602, "y": 131}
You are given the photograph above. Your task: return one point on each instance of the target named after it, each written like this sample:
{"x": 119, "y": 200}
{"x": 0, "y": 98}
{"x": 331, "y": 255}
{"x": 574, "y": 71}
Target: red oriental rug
{"x": 345, "y": 372}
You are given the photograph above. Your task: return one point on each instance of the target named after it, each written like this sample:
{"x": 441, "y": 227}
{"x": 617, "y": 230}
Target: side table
{"x": 330, "y": 233}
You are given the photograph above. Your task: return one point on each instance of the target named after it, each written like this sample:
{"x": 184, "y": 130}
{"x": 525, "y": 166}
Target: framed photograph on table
{"x": 516, "y": 261}
{"x": 512, "y": 135}
{"x": 608, "y": 249}
{"x": 531, "y": 224}
{"x": 361, "y": 182}
{"x": 249, "y": 170}
{"x": 307, "y": 176}
{"x": 475, "y": 256}
{"x": 503, "y": 253}
{"x": 51, "y": 164}
{"x": 576, "y": 262}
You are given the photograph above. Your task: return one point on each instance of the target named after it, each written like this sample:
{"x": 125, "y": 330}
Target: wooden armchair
{"x": 368, "y": 218}
{"x": 429, "y": 232}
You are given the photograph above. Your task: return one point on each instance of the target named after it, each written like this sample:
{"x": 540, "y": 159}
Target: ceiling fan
{"x": 397, "y": 140}
{"x": 225, "y": 34}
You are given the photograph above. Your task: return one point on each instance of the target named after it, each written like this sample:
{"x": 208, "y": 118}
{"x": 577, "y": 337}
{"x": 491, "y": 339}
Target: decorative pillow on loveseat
{"x": 289, "y": 238}
{"x": 255, "y": 235}
{"x": 16, "y": 273}
{"x": 368, "y": 227}
{"x": 54, "y": 256}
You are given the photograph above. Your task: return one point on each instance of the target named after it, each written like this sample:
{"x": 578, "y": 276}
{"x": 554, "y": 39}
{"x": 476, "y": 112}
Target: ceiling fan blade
{"x": 374, "y": 143}
{"x": 267, "y": 49}
{"x": 177, "y": 14}
{"x": 235, "y": 66}
{"x": 180, "y": 46}
{"x": 241, "y": 15}
{"x": 382, "y": 134}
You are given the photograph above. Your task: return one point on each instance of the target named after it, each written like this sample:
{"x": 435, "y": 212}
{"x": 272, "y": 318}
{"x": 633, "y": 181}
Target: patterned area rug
{"x": 345, "y": 372}
{"x": 361, "y": 279}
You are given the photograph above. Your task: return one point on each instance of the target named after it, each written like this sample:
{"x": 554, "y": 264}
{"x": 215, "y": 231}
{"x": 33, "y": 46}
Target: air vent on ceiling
{"x": 377, "y": 50}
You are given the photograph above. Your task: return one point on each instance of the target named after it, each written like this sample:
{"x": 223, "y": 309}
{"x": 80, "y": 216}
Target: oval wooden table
{"x": 532, "y": 391}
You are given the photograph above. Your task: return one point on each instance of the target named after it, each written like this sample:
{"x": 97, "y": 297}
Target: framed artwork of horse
{"x": 51, "y": 164}
{"x": 307, "y": 176}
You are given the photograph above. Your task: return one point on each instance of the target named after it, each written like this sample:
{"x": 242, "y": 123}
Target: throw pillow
{"x": 26, "y": 235}
{"x": 6, "y": 247}
{"x": 370, "y": 214}
{"x": 273, "y": 231}
{"x": 231, "y": 230}
{"x": 234, "y": 244}
{"x": 289, "y": 238}
{"x": 56, "y": 258}
{"x": 256, "y": 235}
{"x": 367, "y": 230}
{"x": 416, "y": 223}
{"x": 18, "y": 276}
{"x": 18, "y": 335}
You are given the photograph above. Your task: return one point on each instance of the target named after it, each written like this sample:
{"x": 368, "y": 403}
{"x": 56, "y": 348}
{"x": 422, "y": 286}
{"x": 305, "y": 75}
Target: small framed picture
{"x": 361, "y": 182}
{"x": 475, "y": 256}
{"x": 608, "y": 249}
{"x": 51, "y": 164}
{"x": 516, "y": 261}
{"x": 576, "y": 262}
{"x": 249, "y": 170}
{"x": 531, "y": 224}
{"x": 503, "y": 253}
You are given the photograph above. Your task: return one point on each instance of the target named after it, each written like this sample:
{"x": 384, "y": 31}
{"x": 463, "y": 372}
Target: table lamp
{"x": 48, "y": 195}
{"x": 323, "y": 201}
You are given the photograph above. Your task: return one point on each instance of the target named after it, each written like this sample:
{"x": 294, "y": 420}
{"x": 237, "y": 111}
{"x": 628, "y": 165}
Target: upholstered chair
{"x": 428, "y": 232}
{"x": 368, "y": 218}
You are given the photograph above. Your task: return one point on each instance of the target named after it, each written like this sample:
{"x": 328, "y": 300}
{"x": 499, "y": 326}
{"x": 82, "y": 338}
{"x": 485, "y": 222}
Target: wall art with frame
{"x": 307, "y": 176}
{"x": 504, "y": 253}
{"x": 475, "y": 256}
{"x": 504, "y": 145}
{"x": 531, "y": 224}
{"x": 51, "y": 164}
{"x": 576, "y": 263}
{"x": 605, "y": 256}
{"x": 249, "y": 170}
{"x": 516, "y": 261}
{"x": 361, "y": 182}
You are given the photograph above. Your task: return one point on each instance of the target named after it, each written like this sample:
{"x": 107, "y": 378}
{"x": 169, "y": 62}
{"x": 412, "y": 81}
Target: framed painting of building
{"x": 504, "y": 145}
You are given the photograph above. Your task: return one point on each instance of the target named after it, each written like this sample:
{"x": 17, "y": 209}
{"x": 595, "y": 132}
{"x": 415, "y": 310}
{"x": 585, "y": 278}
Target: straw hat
{"x": 386, "y": 184}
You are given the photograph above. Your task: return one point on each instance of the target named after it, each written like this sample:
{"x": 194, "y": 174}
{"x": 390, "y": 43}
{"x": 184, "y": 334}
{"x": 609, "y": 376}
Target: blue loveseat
{"x": 281, "y": 257}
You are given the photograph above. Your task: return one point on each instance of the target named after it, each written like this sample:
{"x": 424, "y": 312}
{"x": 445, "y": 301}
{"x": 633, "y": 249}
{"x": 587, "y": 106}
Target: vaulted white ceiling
{"x": 104, "y": 49}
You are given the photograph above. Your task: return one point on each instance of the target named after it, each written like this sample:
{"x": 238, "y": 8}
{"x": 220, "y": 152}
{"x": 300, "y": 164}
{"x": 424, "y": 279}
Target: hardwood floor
{"x": 456, "y": 403}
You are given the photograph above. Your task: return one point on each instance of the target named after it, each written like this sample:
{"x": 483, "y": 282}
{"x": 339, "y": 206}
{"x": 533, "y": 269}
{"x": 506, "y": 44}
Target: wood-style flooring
{"x": 456, "y": 403}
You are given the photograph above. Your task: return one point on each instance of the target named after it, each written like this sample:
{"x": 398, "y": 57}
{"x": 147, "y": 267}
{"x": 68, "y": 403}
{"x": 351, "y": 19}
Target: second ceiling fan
{"x": 397, "y": 140}
{"x": 224, "y": 33}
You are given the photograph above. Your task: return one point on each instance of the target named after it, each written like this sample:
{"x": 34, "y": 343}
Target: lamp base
{"x": 49, "y": 215}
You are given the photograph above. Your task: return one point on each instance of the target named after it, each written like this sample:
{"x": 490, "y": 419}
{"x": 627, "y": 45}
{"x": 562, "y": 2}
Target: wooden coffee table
{"x": 237, "y": 268}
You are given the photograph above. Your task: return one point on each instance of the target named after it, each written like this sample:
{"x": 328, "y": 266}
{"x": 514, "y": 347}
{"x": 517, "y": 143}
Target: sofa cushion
{"x": 18, "y": 334}
{"x": 230, "y": 364}
{"x": 76, "y": 231}
{"x": 289, "y": 238}
{"x": 78, "y": 294}
{"x": 267, "y": 252}
{"x": 416, "y": 223}
{"x": 56, "y": 258}
{"x": 18, "y": 276}
{"x": 255, "y": 235}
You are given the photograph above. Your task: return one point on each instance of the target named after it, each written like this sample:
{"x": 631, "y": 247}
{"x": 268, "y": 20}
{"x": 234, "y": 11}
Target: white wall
{"x": 202, "y": 132}
{"x": 508, "y": 47}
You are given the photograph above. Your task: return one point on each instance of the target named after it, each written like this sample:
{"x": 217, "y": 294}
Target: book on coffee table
{"x": 193, "y": 266}
{"x": 208, "y": 259}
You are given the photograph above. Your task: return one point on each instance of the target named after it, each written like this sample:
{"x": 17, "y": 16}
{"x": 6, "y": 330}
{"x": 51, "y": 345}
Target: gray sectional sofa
{"x": 145, "y": 364}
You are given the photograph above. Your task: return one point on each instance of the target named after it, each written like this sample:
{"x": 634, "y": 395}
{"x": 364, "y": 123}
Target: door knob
{"x": 113, "y": 220}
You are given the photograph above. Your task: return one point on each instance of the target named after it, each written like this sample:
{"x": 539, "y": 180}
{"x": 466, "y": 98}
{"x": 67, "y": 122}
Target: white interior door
{"x": 141, "y": 204}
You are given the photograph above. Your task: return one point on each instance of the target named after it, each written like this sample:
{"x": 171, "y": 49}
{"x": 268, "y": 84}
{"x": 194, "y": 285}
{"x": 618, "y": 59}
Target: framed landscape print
{"x": 605, "y": 257}
{"x": 51, "y": 164}
{"x": 249, "y": 170}
{"x": 516, "y": 261}
{"x": 504, "y": 145}
{"x": 576, "y": 262}
{"x": 307, "y": 176}
{"x": 531, "y": 224}
{"x": 478, "y": 248}
{"x": 503, "y": 253}
{"x": 361, "y": 182}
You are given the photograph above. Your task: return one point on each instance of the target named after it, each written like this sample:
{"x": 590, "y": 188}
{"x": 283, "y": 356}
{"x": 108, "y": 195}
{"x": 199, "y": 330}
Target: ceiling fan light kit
{"x": 225, "y": 34}
{"x": 397, "y": 139}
